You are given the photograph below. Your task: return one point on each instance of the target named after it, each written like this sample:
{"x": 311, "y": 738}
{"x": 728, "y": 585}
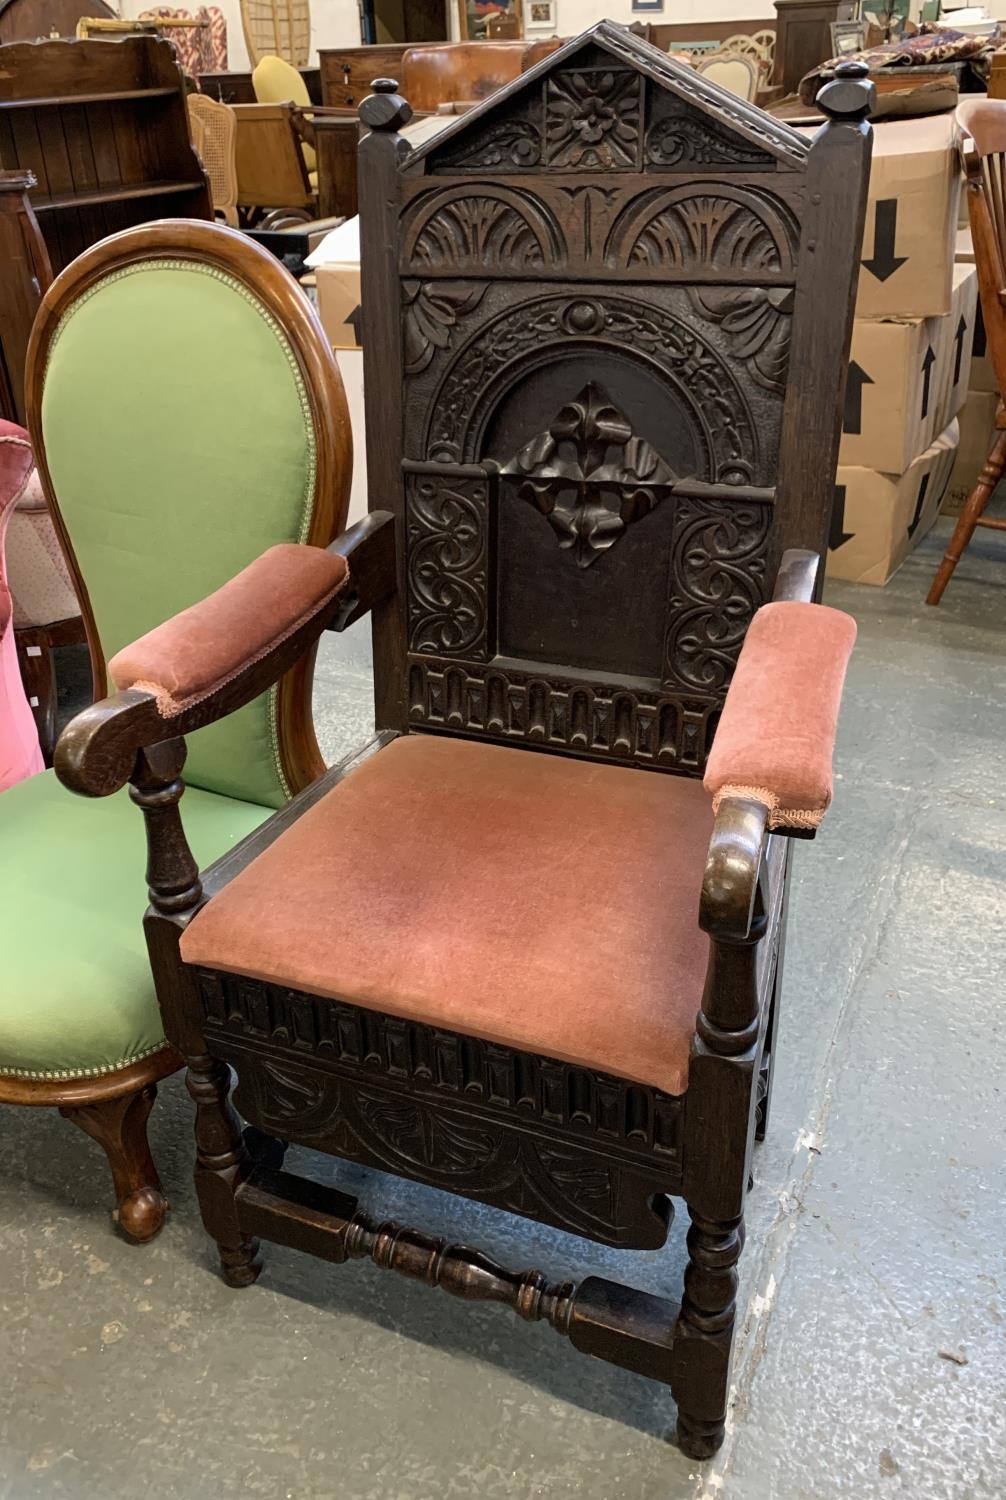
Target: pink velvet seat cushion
{"x": 197, "y": 651}
{"x": 545, "y": 903}
{"x": 776, "y": 735}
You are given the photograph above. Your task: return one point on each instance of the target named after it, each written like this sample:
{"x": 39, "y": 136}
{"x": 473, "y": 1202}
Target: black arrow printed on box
{"x": 962, "y": 329}
{"x": 913, "y": 524}
{"x": 852, "y": 422}
{"x": 355, "y": 321}
{"x": 883, "y": 263}
{"x": 837, "y": 537}
{"x": 927, "y": 379}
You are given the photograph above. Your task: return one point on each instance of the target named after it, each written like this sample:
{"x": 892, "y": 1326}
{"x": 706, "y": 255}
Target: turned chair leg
{"x": 704, "y": 1334}
{"x": 120, "y": 1128}
{"x": 222, "y": 1164}
{"x": 969, "y": 517}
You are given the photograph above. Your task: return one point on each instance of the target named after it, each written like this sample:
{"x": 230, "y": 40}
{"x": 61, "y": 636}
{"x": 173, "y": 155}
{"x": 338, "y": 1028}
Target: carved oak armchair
{"x": 527, "y": 944}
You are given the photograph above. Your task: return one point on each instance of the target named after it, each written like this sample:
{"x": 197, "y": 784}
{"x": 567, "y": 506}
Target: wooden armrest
{"x": 733, "y": 866}
{"x": 97, "y": 750}
{"x": 797, "y": 577}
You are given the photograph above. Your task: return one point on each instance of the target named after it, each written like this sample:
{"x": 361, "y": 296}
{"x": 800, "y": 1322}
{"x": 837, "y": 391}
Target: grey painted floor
{"x": 872, "y": 1360}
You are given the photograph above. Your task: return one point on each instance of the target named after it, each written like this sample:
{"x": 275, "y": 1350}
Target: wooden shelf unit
{"x": 103, "y": 127}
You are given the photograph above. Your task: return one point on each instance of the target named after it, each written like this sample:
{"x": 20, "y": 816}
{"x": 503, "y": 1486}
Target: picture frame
{"x": 847, "y": 37}
{"x": 490, "y": 20}
{"x": 648, "y": 5}
{"x": 539, "y": 15}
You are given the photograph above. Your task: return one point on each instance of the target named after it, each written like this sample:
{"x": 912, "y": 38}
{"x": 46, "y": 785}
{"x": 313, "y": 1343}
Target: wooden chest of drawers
{"x": 348, "y": 72}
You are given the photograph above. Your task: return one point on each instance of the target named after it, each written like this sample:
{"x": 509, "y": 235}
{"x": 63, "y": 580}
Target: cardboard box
{"x": 977, "y": 424}
{"x": 911, "y": 219}
{"x": 956, "y": 344}
{"x": 336, "y": 265}
{"x": 907, "y": 380}
{"x": 879, "y": 518}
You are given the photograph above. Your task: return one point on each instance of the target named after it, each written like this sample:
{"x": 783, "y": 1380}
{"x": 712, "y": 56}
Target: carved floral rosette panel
{"x": 587, "y": 1152}
{"x": 602, "y": 112}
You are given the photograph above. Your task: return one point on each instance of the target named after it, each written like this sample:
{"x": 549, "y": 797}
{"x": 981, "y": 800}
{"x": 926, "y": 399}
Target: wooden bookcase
{"x": 102, "y": 126}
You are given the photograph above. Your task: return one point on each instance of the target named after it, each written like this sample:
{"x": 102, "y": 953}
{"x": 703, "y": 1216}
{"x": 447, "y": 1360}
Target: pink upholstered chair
{"x": 20, "y": 755}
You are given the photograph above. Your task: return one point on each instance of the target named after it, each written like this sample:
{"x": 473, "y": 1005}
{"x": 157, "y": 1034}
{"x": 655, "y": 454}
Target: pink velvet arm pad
{"x": 200, "y": 650}
{"x": 776, "y": 734}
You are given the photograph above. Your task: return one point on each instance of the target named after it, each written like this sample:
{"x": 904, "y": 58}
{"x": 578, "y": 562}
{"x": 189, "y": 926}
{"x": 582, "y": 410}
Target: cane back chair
{"x": 983, "y": 122}
{"x": 163, "y": 475}
{"x": 511, "y": 949}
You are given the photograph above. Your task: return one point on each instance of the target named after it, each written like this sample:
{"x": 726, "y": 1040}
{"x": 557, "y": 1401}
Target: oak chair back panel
{"x": 621, "y": 391}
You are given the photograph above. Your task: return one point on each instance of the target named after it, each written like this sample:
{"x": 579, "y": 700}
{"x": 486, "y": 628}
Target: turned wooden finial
{"x": 849, "y": 95}
{"x": 385, "y": 109}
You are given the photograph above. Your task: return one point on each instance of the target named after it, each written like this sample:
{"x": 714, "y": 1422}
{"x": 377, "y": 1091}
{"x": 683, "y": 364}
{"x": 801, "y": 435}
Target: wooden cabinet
{"x": 803, "y": 36}
{"x": 347, "y": 73}
{"x": 24, "y": 276}
{"x": 237, "y": 88}
{"x": 27, "y": 20}
{"x": 103, "y": 128}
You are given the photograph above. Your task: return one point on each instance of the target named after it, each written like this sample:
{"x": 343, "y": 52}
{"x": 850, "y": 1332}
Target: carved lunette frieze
{"x": 716, "y": 230}
{"x": 677, "y": 350}
{"x": 489, "y": 228}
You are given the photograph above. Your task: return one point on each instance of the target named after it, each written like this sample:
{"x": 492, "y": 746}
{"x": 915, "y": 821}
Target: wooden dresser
{"x": 803, "y": 36}
{"x": 102, "y": 126}
{"x": 348, "y": 72}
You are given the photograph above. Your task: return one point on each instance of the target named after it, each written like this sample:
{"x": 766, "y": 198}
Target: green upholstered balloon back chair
{"x": 186, "y": 412}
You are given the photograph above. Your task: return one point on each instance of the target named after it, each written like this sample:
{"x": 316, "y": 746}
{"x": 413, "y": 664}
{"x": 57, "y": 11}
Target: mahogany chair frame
{"x": 114, "y": 1107}
{"x": 648, "y": 1145}
{"x": 984, "y": 157}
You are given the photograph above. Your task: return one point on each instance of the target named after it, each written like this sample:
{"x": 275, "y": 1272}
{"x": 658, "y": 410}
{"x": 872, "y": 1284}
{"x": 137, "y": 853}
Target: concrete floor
{"x": 872, "y": 1360}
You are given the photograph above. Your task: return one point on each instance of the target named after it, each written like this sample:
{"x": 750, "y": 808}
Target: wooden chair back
{"x": 271, "y": 171}
{"x": 737, "y": 72}
{"x": 214, "y": 135}
{"x": 166, "y": 473}
{"x": 983, "y": 122}
{"x": 282, "y": 27}
{"x": 612, "y": 396}
{"x": 437, "y": 75}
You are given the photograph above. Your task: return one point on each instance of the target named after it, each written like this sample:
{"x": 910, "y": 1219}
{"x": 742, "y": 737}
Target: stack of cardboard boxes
{"x": 911, "y": 353}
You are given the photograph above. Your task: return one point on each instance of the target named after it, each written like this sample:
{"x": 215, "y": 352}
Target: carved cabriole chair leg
{"x": 120, "y": 1128}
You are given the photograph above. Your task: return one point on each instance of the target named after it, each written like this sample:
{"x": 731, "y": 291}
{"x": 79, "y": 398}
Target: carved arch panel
{"x": 678, "y": 353}
{"x": 716, "y": 230}
{"x": 482, "y": 230}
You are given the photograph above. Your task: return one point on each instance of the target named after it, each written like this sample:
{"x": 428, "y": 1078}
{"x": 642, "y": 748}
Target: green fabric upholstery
{"x": 76, "y": 996}
{"x": 180, "y": 445}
